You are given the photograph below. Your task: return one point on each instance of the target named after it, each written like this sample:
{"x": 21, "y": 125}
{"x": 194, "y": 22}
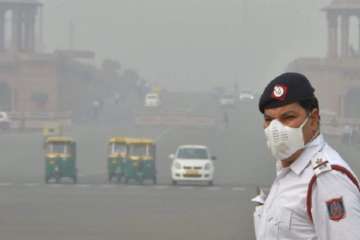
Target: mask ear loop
{"x": 317, "y": 133}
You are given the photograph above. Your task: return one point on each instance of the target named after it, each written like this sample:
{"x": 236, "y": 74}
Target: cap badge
{"x": 279, "y": 92}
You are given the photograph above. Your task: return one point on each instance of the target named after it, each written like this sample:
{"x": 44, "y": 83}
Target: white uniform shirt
{"x": 283, "y": 215}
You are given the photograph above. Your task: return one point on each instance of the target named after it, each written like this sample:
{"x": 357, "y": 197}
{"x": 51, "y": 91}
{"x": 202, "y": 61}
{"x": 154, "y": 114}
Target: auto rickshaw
{"x": 141, "y": 161}
{"x": 60, "y": 159}
{"x": 117, "y": 156}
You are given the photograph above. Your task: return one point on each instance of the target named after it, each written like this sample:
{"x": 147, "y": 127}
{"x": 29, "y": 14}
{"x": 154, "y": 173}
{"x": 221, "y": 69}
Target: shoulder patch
{"x": 320, "y": 166}
{"x": 336, "y": 209}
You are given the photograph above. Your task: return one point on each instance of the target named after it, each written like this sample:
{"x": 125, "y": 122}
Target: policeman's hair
{"x": 309, "y": 104}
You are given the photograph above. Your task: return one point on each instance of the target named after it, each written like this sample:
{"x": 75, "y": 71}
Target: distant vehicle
{"x": 140, "y": 164}
{"x": 329, "y": 117}
{"x": 152, "y": 100}
{"x": 5, "y": 122}
{"x": 192, "y": 163}
{"x": 246, "y": 96}
{"x": 60, "y": 159}
{"x": 117, "y": 156}
{"x": 227, "y": 100}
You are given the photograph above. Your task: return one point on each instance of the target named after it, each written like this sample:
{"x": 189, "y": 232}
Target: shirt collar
{"x": 310, "y": 150}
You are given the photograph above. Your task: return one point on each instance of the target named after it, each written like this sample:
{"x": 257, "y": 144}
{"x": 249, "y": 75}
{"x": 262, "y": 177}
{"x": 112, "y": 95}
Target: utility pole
{"x": 71, "y": 35}
{"x": 41, "y": 30}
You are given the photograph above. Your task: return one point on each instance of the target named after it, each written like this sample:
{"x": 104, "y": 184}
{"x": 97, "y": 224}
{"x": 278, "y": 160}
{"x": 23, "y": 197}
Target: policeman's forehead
{"x": 292, "y": 108}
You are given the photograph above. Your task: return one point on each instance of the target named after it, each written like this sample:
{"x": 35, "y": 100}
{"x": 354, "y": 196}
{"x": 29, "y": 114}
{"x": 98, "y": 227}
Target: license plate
{"x": 192, "y": 173}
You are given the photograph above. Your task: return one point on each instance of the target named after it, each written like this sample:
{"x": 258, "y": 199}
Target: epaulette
{"x": 320, "y": 165}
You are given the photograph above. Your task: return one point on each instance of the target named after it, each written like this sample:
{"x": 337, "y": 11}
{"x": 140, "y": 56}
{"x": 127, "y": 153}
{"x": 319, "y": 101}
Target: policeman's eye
{"x": 268, "y": 119}
{"x": 290, "y": 117}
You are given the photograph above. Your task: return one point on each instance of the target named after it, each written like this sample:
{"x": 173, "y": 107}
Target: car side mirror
{"x": 172, "y": 156}
{"x": 213, "y": 158}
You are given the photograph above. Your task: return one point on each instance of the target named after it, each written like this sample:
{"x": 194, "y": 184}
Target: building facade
{"x": 337, "y": 76}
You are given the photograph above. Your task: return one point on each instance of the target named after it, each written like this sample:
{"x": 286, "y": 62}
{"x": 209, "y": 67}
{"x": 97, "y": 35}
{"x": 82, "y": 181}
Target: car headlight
{"x": 177, "y": 165}
{"x": 207, "y": 166}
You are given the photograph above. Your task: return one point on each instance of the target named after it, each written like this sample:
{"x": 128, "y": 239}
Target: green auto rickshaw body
{"x": 60, "y": 159}
{"x": 141, "y": 161}
{"x": 117, "y": 156}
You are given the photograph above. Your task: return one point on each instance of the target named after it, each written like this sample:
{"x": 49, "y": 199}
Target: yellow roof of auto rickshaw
{"x": 118, "y": 140}
{"x": 140, "y": 141}
{"x": 59, "y": 139}
{"x": 52, "y": 129}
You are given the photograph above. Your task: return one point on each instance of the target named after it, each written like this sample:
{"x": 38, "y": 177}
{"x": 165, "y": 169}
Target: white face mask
{"x": 284, "y": 141}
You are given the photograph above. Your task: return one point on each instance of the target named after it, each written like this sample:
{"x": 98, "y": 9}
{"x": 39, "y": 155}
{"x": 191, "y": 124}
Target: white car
{"x": 246, "y": 96}
{"x": 152, "y": 100}
{"x": 5, "y": 122}
{"x": 192, "y": 163}
{"x": 227, "y": 100}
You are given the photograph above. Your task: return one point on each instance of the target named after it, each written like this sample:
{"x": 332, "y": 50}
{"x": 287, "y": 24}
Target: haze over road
{"x": 94, "y": 209}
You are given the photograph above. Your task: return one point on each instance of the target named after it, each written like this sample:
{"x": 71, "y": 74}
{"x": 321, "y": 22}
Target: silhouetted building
{"x": 337, "y": 76}
{"x": 22, "y": 15}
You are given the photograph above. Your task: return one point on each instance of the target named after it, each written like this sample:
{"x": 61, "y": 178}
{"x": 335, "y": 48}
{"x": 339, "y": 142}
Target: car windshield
{"x": 138, "y": 150}
{"x": 57, "y": 148}
{"x": 152, "y": 97}
{"x": 118, "y": 148}
{"x": 192, "y": 153}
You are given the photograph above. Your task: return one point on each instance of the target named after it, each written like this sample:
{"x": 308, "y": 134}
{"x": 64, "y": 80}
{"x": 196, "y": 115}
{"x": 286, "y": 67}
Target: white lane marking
{"x": 213, "y": 188}
{"x": 31, "y": 184}
{"x": 83, "y": 185}
{"x": 238, "y": 189}
{"x": 6, "y": 184}
{"x": 161, "y": 187}
{"x": 134, "y": 186}
{"x": 186, "y": 187}
{"x": 107, "y": 186}
{"x": 56, "y": 185}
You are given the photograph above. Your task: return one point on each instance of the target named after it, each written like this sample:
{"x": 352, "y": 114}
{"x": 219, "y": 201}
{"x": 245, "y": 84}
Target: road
{"x": 94, "y": 209}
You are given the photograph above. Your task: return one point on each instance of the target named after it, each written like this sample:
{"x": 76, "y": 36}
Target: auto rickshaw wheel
{"x": 58, "y": 179}
{"x": 75, "y": 179}
{"x": 174, "y": 182}
{"x": 118, "y": 178}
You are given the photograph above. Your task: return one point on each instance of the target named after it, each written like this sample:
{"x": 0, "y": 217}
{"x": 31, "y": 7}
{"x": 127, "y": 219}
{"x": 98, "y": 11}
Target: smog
{"x": 140, "y": 119}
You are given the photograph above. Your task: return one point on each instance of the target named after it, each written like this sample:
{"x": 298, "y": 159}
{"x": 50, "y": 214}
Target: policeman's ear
{"x": 314, "y": 119}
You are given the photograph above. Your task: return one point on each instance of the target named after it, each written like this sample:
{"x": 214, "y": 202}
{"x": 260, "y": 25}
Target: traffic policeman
{"x": 315, "y": 194}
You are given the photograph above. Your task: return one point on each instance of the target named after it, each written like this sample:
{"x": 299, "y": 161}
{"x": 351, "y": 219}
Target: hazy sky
{"x": 192, "y": 44}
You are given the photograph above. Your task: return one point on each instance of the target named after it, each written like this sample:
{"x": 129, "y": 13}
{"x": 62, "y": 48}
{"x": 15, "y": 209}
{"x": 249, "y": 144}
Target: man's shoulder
{"x": 330, "y": 168}
{"x": 325, "y": 159}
